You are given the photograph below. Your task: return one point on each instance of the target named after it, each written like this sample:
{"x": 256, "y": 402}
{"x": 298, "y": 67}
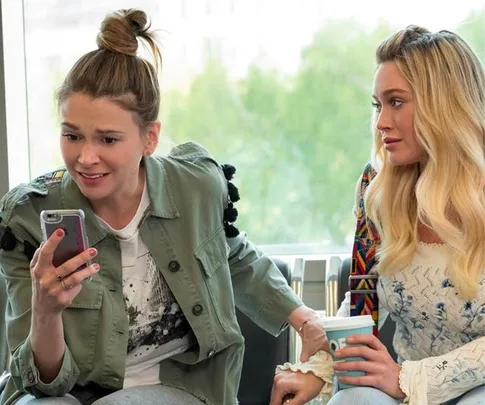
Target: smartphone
{"x": 75, "y": 239}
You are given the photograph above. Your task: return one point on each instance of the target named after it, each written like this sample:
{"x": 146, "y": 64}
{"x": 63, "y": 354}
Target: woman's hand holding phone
{"x": 54, "y": 288}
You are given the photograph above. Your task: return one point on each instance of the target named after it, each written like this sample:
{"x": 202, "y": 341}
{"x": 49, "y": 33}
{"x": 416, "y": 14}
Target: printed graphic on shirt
{"x": 155, "y": 317}
{"x": 157, "y": 326}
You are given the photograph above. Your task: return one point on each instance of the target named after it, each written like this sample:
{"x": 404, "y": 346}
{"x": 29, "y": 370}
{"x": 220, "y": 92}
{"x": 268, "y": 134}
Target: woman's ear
{"x": 152, "y": 135}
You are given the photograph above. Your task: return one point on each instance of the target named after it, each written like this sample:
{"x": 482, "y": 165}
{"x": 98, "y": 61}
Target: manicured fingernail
{"x": 96, "y": 266}
{"x": 92, "y": 252}
{"x": 60, "y": 232}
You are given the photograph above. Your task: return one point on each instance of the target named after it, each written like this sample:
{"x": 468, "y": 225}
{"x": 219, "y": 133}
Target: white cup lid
{"x": 332, "y": 323}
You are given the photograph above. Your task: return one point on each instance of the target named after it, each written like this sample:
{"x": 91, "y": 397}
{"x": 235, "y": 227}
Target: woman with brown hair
{"x": 156, "y": 324}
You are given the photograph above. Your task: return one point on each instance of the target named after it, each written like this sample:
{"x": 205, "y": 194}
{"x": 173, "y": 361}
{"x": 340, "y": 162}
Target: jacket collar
{"x": 162, "y": 200}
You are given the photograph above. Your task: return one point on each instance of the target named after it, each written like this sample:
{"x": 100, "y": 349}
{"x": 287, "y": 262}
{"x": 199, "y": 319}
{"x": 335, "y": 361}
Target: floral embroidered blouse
{"x": 439, "y": 338}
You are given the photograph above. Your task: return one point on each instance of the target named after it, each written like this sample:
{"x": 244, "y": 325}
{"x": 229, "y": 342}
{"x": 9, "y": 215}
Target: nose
{"x": 383, "y": 122}
{"x": 88, "y": 155}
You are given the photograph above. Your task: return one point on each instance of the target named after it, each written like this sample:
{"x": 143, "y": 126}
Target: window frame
{"x": 14, "y": 156}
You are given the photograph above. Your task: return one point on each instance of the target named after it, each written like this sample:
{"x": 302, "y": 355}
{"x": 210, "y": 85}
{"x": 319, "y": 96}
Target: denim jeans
{"x": 373, "y": 396}
{"x": 146, "y": 395}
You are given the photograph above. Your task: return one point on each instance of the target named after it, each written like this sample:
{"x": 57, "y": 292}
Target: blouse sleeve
{"x": 435, "y": 380}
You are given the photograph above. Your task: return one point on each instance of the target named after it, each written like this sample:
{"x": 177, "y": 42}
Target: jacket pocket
{"x": 90, "y": 296}
{"x": 212, "y": 259}
{"x": 82, "y": 324}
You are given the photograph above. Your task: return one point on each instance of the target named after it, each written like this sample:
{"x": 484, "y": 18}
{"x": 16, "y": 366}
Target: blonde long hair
{"x": 447, "y": 194}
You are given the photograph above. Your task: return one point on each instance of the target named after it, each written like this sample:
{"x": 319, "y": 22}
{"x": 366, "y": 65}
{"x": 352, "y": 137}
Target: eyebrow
{"x": 99, "y": 131}
{"x": 390, "y": 91}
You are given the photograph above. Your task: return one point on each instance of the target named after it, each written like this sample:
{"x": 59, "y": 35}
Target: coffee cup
{"x": 338, "y": 329}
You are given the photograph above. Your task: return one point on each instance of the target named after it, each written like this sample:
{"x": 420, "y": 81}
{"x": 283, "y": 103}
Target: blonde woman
{"x": 427, "y": 203}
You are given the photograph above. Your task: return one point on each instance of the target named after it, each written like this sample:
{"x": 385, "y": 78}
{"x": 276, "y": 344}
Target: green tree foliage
{"x": 473, "y": 31}
{"x": 299, "y": 142}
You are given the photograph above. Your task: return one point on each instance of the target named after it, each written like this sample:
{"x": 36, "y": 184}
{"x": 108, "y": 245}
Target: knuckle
{"x": 63, "y": 271}
{"x": 43, "y": 283}
{"x": 78, "y": 278}
{"x": 73, "y": 280}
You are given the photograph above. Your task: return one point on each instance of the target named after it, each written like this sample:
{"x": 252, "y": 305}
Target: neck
{"x": 427, "y": 235}
{"x": 119, "y": 210}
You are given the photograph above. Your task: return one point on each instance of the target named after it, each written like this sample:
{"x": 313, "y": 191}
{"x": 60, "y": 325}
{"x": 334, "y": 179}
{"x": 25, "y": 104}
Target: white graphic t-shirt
{"x": 158, "y": 328}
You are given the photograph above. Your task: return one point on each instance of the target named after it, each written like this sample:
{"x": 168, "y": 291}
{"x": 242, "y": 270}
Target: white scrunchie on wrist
{"x": 320, "y": 364}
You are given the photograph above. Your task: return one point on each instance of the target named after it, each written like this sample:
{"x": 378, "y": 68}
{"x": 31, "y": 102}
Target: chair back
{"x": 263, "y": 352}
{"x": 386, "y": 331}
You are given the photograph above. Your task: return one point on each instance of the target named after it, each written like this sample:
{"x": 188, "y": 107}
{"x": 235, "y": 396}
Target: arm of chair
{"x": 332, "y": 285}
{"x": 296, "y": 277}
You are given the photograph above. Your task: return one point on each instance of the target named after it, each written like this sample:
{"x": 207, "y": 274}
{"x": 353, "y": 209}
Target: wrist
{"x": 46, "y": 319}
{"x": 300, "y": 329}
{"x": 300, "y": 317}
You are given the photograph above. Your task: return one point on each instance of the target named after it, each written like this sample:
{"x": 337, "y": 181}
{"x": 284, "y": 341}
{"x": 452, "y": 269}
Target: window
{"x": 280, "y": 89}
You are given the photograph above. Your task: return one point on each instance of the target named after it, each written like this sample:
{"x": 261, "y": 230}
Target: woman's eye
{"x": 396, "y": 103}
{"x": 377, "y": 106}
{"x": 109, "y": 141}
{"x": 71, "y": 137}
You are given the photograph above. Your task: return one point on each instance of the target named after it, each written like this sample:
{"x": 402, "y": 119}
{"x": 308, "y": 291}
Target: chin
{"x": 93, "y": 195}
{"x": 401, "y": 161}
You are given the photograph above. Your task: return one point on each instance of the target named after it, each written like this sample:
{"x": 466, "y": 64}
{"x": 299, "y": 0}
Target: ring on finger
{"x": 58, "y": 275}
{"x": 66, "y": 286}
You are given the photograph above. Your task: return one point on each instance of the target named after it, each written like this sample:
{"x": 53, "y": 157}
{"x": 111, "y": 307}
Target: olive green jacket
{"x": 208, "y": 274}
